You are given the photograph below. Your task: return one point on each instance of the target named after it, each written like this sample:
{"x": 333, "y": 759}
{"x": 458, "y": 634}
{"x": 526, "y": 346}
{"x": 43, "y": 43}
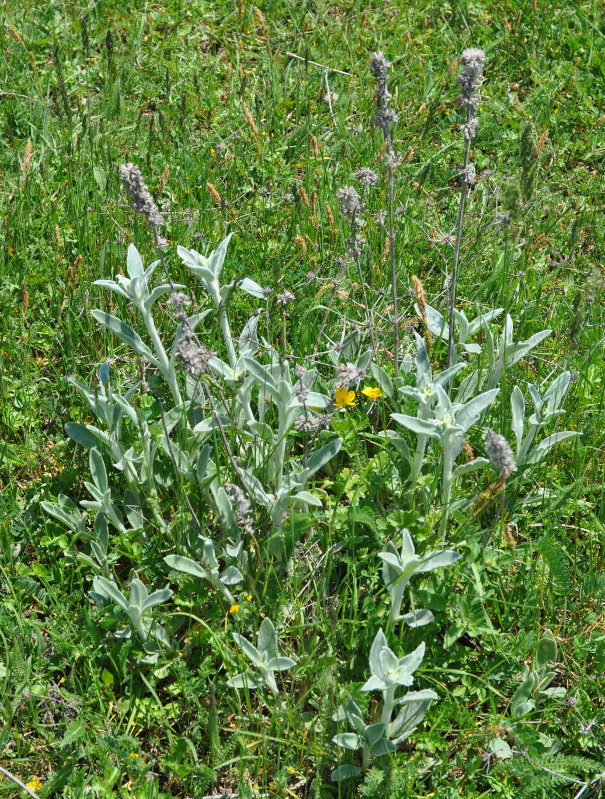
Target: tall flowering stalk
{"x": 386, "y": 117}
{"x": 469, "y": 80}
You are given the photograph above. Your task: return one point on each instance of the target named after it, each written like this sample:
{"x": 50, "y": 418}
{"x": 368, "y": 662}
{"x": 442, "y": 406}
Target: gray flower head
{"x": 350, "y": 203}
{"x": 385, "y": 117}
{"x": 141, "y": 200}
{"x": 379, "y": 66}
{"x": 193, "y": 360}
{"x": 470, "y": 77}
{"x": 302, "y": 392}
{"x": 500, "y": 454}
{"x": 179, "y": 299}
{"x": 286, "y": 298}
{"x": 347, "y": 375}
{"x": 366, "y": 176}
{"x": 393, "y": 159}
{"x": 242, "y": 508}
{"x": 473, "y": 57}
{"x": 470, "y": 129}
{"x": 306, "y": 424}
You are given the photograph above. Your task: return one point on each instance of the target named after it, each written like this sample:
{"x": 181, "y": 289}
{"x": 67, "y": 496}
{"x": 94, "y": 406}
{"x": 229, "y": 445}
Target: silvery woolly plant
{"x": 264, "y": 657}
{"x": 440, "y": 419}
{"x": 469, "y": 79}
{"x": 388, "y": 674}
{"x": 398, "y": 568}
{"x": 386, "y": 117}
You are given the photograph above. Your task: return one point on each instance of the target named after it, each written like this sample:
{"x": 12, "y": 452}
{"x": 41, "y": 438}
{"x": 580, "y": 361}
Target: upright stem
{"x": 446, "y": 487}
{"x": 392, "y": 254}
{"x": 226, "y": 330}
{"x": 454, "y": 277}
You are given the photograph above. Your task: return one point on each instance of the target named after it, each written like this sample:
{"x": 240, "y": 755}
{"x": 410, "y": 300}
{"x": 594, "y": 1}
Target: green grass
{"x": 166, "y": 87}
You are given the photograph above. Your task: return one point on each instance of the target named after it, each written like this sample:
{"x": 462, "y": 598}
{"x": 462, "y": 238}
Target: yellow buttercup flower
{"x": 343, "y": 398}
{"x": 233, "y": 608}
{"x": 35, "y": 784}
{"x": 372, "y": 392}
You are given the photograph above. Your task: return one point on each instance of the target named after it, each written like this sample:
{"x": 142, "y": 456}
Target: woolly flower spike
{"x": 179, "y": 299}
{"x": 379, "y": 66}
{"x": 350, "y": 203}
{"x": 473, "y": 57}
{"x": 347, "y": 374}
{"x": 141, "y": 200}
{"x": 500, "y": 454}
{"x": 470, "y": 77}
{"x": 366, "y": 176}
{"x": 343, "y": 398}
{"x": 286, "y": 298}
{"x": 372, "y": 392}
{"x": 194, "y": 360}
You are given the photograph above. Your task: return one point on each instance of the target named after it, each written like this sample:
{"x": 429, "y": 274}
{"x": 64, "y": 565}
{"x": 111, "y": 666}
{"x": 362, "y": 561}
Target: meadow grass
{"x": 233, "y": 134}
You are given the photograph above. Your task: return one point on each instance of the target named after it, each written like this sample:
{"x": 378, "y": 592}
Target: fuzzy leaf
{"x": 125, "y": 333}
{"x": 97, "y": 470}
{"x": 418, "y": 618}
{"x": 420, "y": 426}
{"x": 183, "y": 564}
{"x": 134, "y": 264}
{"x": 347, "y": 740}
{"x": 156, "y": 598}
{"x": 374, "y": 732}
{"x": 517, "y": 405}
{"x": 344, "y": 772}
{"x": 248, "y": 649}
{"x": 267, "y": 639}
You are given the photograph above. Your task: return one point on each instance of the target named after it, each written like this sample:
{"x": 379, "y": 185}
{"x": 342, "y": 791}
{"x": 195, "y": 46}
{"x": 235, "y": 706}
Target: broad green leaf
{"x": 267, "y": 639}
{"x": 248, "y": 649}
{"x": 547, "y": 650}
{"x": 347, "y": 740}
{"x": 125, "y": 333}
{"x": 321, "y": 456}
{"x": 344, "y": 772}
{"x": 251, "y": 287}
{"x": 544, "y": 447}
{"x": 438, "y": 560}
{"x": 281, "y": 663}
{"x": 382, "y": 378}
{"x": 418, "y": 618}
{"x": 186, "y": 565}
{"x": 156, "y": 598}
{"x": 134, "y": 264}
{"x": 374, "y": 732}
{"x": 517, "y": 405}
{"x": 471, "y": 466}
{"x": 420, "y": 426}
{"x": 97, "y": 470}
{"x": 103, "y": 586}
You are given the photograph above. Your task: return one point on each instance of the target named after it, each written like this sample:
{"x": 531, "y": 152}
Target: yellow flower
{"x": 233, "y": 608}
{"x": 344, "y": 398}
{"x": 35, "y": 784}
{"x": 372, "y": 393}
{"x": 133, "y": 755}
{"x": 292, "y": 770}
{"x": 248, "y": 597}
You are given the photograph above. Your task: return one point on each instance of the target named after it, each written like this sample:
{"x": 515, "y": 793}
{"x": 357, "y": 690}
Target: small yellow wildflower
{"x": 372, "y": 392}
{"x": 248, "y": 597}
{"x": 35, "y": 784}
{"x": 212, "y": 151}
{"x": 292, "y": 770}
{"x": 344, "y": 398}
{"x": 233, "y": 608}
{"x": 134, "y": 755}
